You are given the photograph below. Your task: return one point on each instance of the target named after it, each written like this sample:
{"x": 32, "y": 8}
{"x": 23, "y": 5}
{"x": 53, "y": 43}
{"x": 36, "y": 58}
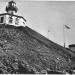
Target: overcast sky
{"x": 48, "y": 15}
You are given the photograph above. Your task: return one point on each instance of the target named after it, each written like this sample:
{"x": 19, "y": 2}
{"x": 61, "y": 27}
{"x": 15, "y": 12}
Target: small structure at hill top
{"x": 10, "y": 17}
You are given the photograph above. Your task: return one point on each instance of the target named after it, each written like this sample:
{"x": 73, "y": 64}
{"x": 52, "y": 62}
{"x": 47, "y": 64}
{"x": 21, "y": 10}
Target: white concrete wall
{"x": 14, "y": 20}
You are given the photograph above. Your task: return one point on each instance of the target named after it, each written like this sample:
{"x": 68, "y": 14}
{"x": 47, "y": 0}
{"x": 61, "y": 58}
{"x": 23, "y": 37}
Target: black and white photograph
{"x": 37, "y": 37}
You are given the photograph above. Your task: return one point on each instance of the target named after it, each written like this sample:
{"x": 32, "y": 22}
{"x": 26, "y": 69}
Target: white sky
{"x": 48, "y": 15}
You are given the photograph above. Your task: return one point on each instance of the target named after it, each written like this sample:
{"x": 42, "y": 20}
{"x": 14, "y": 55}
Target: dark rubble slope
{"x": 22, "y": 50}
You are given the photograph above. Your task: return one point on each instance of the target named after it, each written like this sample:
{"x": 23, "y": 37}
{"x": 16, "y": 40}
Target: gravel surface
{"x": 24, "y": 51}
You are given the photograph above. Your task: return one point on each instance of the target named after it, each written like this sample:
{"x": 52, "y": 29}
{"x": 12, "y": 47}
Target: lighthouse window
{"x": 1, "y": 19}
{"x": 10, "y": 19}
{"x": 17, "y": 21}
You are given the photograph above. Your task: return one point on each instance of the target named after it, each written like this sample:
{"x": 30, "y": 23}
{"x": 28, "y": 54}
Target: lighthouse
{"x": 9, "y": 18}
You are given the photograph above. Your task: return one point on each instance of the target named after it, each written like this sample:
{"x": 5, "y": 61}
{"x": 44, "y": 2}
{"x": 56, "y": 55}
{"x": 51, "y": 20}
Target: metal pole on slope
{"x": 64, "y": 35}
{"x": 48, "y": 34}
{"x": 67, "y": 27}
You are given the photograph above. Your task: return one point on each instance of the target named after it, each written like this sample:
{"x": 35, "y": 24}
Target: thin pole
{"x": 64, "y": 35}
{"x": 48, "y": 34}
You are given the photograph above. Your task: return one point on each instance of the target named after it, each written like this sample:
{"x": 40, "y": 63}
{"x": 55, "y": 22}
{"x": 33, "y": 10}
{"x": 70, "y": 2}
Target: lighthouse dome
{"x": 11, "y": 8}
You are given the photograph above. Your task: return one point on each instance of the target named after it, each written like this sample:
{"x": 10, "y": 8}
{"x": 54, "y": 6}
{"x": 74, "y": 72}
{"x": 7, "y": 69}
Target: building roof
{"x": 72, "y": 45}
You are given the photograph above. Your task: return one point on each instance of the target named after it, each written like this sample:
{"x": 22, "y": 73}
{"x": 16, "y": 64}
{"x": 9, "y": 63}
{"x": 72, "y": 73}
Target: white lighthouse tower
{"x": 10, "y": 18}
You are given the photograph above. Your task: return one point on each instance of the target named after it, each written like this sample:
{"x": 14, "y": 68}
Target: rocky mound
{"x": 24, "y": 51}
